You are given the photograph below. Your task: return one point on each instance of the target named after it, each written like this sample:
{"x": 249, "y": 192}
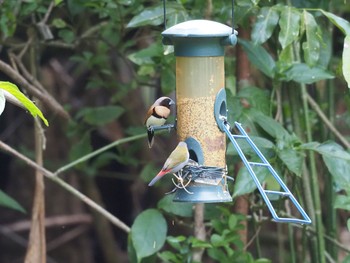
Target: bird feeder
{"x": 202, "y": 118}
{"x": 200, "y": 79}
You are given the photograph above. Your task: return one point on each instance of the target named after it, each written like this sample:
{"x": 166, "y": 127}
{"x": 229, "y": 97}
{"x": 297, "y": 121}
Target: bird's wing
{"x": 149, "y": 113}
{"x": 178, "y": 156}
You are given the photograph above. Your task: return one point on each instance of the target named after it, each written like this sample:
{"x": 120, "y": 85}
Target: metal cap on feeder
{"x": 199, "y": 38}
{"x": 200, "y": 80}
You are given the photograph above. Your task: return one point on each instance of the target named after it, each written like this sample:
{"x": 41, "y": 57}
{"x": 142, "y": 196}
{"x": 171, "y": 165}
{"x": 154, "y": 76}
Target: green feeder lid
{"x": 199, "y": 38}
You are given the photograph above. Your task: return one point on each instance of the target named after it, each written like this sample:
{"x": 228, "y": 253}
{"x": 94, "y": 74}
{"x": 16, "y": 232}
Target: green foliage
{"x": 148, "y": 172}
{"x": 182, "y": 247}
{"x": 243, "y": 9}
{"x": 288, "y": 70}
{"x": 302, "y": 73}
{"x": 263, "y": 144}
{"x": 339, "y": 22}
{"x": 100, "y": 115}
{"x": 244, "y": 184}
{"x": 151, "y": 61}
{"x": 267, "y": 20}
{"x": 329, "y": 149}
{"x": 9, "y": 202}
{"x": 223, "y": 245}
{"x": 105, "y": 36}
{"x": 338, "y": 167}
{"x": 342, "y": 202}
{"x": 290, "y": 26}
{"x": 7, "y": 19}
{"x": 280, "y": 144}
{"x": 259, "y": 57}
{"x": 298, "y": 26}
{"x": 150, "y": 239}
{"x": 154, "y": 15}
{"x": 347, "y": 258}
{"x": 81, "y": 148}
{"x": 176, "y": 209}
{"x": 311, "y": 46}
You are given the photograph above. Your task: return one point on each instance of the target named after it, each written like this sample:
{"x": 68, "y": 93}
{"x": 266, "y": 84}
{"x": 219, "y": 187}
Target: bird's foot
{"x": 180, "y": 184}
{"x": 168, "y": 127}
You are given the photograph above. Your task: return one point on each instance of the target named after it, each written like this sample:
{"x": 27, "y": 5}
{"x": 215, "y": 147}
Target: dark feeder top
{"x": 199, "y": 38}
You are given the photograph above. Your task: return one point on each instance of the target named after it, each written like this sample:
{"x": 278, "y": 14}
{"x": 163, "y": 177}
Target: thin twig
{"x": 27, "y": 74}
{"x": 66, "y": 237}
{"x": 28, "y": 161}
{"x": 48, "y": 12}
{"x": 114, "y": 220}
{"x": 93, "y": 30}
{"x": 326, "y": 121}
{"x": 58, "y": 44}
{"x": 55, "y": 221}
{"x": 87, "y": 34}
{"x": 25, "y": 48}
{"x": 97, "y": 152}
{"x": 252, "y": 239}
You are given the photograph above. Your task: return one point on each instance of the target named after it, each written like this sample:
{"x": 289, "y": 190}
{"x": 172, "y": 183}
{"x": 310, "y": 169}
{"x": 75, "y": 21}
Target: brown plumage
{"x": 157, "y": 116}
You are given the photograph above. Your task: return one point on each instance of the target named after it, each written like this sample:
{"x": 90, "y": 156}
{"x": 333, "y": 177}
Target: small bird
{"x": 157, "y": 116}
{"x": 178, "y": 158}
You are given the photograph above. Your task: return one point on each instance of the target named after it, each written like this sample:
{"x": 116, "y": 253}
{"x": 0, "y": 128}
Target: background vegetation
{"x": 94, "y": 67}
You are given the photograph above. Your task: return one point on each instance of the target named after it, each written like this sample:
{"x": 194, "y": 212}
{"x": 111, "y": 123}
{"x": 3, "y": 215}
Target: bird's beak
{"x": 171, "y": 102}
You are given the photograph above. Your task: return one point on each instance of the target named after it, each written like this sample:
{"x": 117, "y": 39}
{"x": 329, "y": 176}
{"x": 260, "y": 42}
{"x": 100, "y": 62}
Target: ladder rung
{"x": 276, "y": 192}
{"x": 239, "y": 136}
{"x": 258, "y": 164}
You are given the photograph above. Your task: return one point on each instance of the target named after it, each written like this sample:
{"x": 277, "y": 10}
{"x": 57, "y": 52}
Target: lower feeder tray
{"x": 207, "y": 185}
{"x": 201, "y": 193}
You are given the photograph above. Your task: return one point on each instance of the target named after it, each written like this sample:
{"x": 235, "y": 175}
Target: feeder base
{"x": 203, "y": 194}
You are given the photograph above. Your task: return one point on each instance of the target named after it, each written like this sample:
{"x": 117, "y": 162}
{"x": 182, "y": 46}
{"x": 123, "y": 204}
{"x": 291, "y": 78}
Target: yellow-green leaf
{"x": 27, "y": 103}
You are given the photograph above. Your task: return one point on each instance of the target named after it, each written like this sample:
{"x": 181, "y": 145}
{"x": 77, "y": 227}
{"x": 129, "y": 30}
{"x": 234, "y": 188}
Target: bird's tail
{"x": 150, "y": 134}
{"x": 158, "y": 176}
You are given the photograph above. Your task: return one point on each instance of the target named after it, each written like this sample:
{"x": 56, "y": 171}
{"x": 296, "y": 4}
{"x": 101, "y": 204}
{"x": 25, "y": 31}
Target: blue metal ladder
{"x": 264, "y": 163}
